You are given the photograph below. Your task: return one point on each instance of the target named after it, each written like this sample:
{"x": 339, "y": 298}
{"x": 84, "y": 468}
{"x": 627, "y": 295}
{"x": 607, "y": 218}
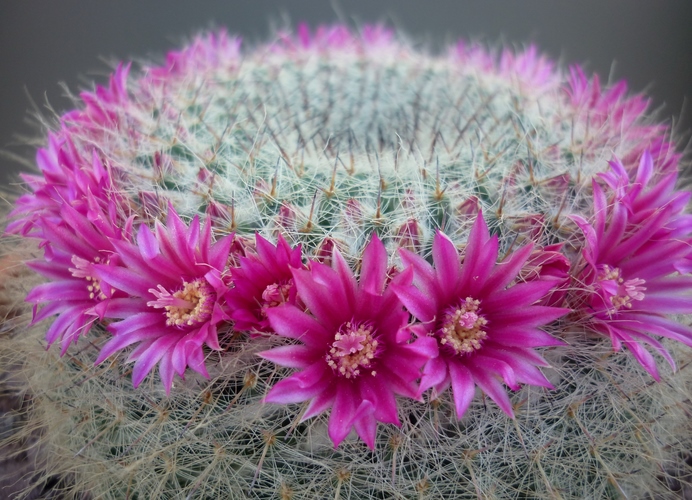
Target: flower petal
{"x": 343, "y": 411}
{"x": 463, "y": 387}
{"x": 290, "y": 356}
{"x": 289, "y": 321}
{"x": 374, "y": 268}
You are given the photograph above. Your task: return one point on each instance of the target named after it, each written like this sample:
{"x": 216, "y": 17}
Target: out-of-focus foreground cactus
{"x": 309, "y": 269}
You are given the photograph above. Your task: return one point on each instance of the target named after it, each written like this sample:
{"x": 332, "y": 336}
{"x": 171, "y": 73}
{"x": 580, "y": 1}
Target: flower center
{"x": 275, "y": 295}
{"x": 191, "y": 305}
{"x": 617, "y": 290}
{"x": 353, "y": 348}
{"x": 462, "y": 327}
{"x": 82, "y": 269}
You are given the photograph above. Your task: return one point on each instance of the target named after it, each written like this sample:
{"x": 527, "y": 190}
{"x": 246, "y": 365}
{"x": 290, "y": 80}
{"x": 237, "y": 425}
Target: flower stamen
{"x": 193, "y": 304}
{"x": 462, "y": 327}
{"x": 353, "y": 347}
{"x": 84, "y": 270}
{"x": 617, "y": 290}
{"x": 275, "y": 295}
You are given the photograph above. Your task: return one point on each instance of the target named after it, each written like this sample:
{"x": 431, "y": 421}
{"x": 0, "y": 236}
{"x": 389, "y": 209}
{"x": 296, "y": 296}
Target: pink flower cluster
{"x": 169, "y": 292}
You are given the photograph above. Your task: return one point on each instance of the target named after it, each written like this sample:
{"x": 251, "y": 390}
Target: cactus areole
{"x": 335, "y": 234}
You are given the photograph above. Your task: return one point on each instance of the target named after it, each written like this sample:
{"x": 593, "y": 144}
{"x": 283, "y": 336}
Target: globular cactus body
{"x": 451, "y": 222}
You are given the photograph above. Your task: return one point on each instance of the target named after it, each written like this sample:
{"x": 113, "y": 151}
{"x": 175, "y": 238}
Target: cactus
{"x": 347, "y": 178}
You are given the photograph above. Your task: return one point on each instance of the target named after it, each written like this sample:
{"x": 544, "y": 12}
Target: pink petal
{"x": 645, "y": 170}
{"x": 59, "y": 291}
{"x": 53, "y": 308}
{"x": 661, "y": 326}
{"x": 343, "y": 411}
{"x": 139, "y": 321}
{"x": 346, "y": 284}
{"x": 523, "y": 362}
{"x": 121, "y": 307}
{"x": 148, "y": 246}
{"x": 493, "y": 388}
{"x": 123, "y": 279}
{"x": 434, "y": 373}
{"x": 665, "y": 304}
{"x": 63, "y": 324}
{"x": 426, "y": 347}
{"x": 374, "y": 267}
{"x": 423, "y": 274}
{"x": 496, "y": 366}
{"x": 320, "y": 403}
{"x": 447, "y": 266}
{"x": 166, "y": 373}
{"x": 423, "y": 307}
{"x": 526, "y": 317}
{"x": 522, "y": 337}
{"x": 504, "y": 272}
{"x": 119, "y": 342}
{"x": 480, "y": 254}
{"x": 289, "y": 321}
{"x": 376, "y": 390}
{"x": 218, "y": 253}
{"x": 522, "y": 293}
{"x": 365, "y": 423}
{"x": 463, "y": 387}
{"x": 80, "y": 325}
{"x": 644, "y": 357}
{"x": 290, "y": 356}
{"x": 148, "y": 359}
{"x": 195, "y": 359}
{"x": 300, "y": 386}
{"x": 656, "y": 345}
{"x": 315, "y": 296}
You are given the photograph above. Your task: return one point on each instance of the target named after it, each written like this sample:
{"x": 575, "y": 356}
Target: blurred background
{"x": 45, "y": 44}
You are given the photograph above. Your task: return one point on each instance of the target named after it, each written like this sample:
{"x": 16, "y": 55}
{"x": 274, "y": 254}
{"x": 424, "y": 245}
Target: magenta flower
{"x": 529, "y": 67}
{"x": 634, "y": 251}
{"x": 355, "y": 354}
{"x": 548, "y": 263}
{"x": 647, "y": 191}
{"x": 173, "y": 282}
{"x": 263, "y": 280}
{"x": 212, "y": 51}
{"x": 104, "y": 108}
{"x": 372, "y": 38}
{"x": 73, "y": 247}
{"x": 486, "y": 331}
{"x": 67, "y": 179}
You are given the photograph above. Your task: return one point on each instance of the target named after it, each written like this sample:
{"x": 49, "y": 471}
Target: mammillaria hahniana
{"x": 324, "y": 252}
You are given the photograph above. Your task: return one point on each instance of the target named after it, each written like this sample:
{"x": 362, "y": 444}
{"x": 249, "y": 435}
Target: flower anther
{"x": 353, "y": 348}
{"x": 191, "y": 305}
{"x": 462, "y": 327}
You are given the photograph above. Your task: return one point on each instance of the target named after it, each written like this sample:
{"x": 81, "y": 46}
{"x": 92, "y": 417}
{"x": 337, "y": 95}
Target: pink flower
{"x": 73, "y": 247}
{"x": 486, "y": 331}
{"x": 548, "y": 263}
{"x": 634, "y": 251}
{"x": 68, "y": 179}
{"x": 610, "y": 115}
{"x": 262, "y": 281}
{"x": 173, "y": 282}
{"x": 213, "y": 51}
{"x": 529, "y": 67}
{"x": 372, "y": 38}
{"x": 104, "y": 108}
{"x": 647, "y": 191}
{"x": 355, "y": 353}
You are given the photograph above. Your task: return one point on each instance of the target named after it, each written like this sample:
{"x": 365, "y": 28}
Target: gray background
{"x": 45, "y": 42}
